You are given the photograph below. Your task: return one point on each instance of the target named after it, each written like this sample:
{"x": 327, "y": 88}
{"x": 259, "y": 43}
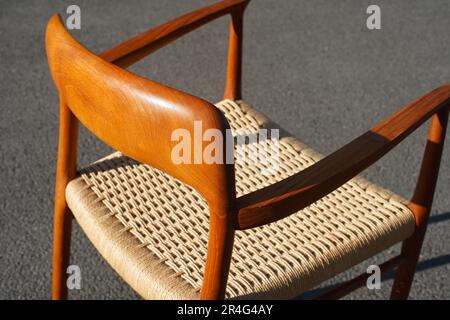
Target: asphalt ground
{"x": 311, "y": 66}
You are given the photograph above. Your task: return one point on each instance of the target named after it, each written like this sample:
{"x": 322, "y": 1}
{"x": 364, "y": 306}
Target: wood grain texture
{"x": 300, "y": 190}
{"x": 136, "y": 48}
{"x": 66, "y": 171}
{"x": 148, "y": 112}
{"x": 137, "y": 117}
{"x": 134, "y": 115}
{"x": 233, "y": 87}
{"x": 421, "y": 203}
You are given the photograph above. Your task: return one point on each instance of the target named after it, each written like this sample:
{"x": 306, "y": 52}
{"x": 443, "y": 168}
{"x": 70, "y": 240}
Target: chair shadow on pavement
{"x": 439, "y": 217}
{"x": 421, "y": 266}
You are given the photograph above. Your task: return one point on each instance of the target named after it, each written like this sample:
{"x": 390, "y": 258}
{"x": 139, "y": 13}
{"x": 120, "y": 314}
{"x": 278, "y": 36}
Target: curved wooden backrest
{"x": 135, "y": 115}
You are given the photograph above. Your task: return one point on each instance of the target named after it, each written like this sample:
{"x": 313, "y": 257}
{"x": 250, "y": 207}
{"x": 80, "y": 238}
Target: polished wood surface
{"x": 136, "y": 48}
{"x": 134, "y": 115}
{"x": 421, "y": 203}
{"x": 137, "y": 116}
{"x": 300, "y": 190}
{"x": 132, "y": 50}
{"x": 233, "y": 87}
{"x": 66, "y": 171}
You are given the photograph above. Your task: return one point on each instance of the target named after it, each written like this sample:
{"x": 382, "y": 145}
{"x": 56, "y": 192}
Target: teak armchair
{"x": 214, "y": 231}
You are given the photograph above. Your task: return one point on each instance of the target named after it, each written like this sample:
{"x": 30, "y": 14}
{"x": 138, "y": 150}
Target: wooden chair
{"x": 214, "y": 231}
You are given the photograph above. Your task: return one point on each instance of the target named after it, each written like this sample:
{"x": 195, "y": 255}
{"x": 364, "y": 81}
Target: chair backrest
{"x": 138, "y": 117}
{"x": 135, "y": 115}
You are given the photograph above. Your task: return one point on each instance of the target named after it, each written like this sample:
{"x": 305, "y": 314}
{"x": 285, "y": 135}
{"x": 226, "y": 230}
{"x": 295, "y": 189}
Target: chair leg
{"x": 404, "y": 275}
{"x": 420, "y": 204}
{"x": 61, "y": 249}
{"x": 66, "y": 171}
{"x": 218, "y": 258}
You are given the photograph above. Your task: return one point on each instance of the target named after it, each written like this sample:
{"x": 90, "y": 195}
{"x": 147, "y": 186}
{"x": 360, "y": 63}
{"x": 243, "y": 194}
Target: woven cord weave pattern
{"x": 279, "y": 260}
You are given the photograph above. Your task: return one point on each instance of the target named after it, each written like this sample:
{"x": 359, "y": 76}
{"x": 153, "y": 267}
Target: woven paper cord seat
{"x": 153, "y": 229}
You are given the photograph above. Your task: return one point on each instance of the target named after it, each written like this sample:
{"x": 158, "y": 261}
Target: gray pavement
{"x": 311, "y": 66}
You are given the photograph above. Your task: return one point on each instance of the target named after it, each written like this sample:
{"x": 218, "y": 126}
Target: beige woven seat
{"x": 153, "y": 229}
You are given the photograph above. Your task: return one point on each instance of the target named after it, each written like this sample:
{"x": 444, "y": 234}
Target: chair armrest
{"x": 136, "y": 48}
{"x": 302, "y": 189}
